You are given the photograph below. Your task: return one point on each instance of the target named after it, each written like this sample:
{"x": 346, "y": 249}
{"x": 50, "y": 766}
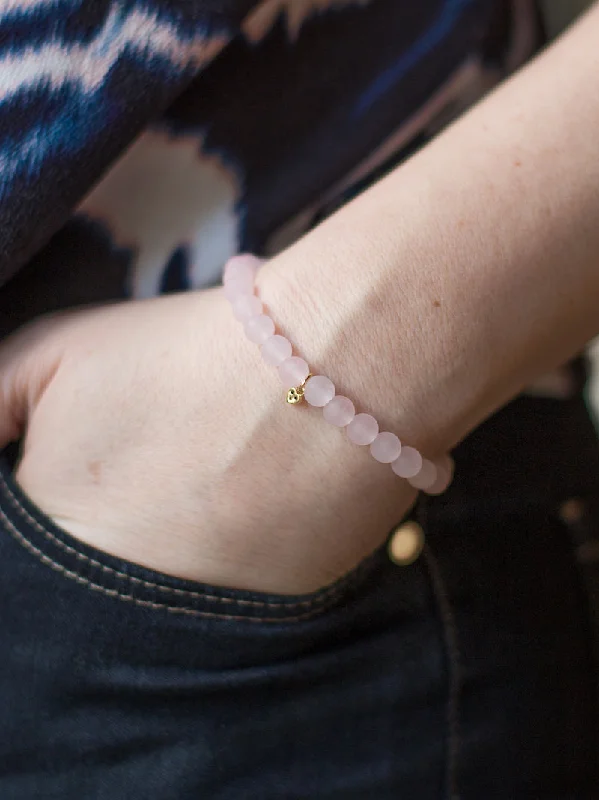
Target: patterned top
{"x": 143, "y": 142}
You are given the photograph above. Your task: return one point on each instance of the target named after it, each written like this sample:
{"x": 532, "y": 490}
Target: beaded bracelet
{"x": 432, "y": 477}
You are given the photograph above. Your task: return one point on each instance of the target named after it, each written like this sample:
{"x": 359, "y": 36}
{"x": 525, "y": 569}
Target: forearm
{"x": 442, "y": 291}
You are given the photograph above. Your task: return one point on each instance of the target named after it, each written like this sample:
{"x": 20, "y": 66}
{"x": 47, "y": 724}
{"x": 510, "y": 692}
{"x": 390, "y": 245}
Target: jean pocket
{"x": 122, "y": 580}
{"x": 120, "y": 681}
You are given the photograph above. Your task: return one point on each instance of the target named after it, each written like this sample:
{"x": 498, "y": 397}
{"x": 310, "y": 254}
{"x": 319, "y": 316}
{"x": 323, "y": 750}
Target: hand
{"x": 153, "y": 431}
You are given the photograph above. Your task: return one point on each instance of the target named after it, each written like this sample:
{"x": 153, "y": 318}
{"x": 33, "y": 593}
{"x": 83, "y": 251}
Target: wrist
{"x": 391, "y": 354}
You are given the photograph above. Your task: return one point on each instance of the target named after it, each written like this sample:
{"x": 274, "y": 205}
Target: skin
{"x": 154, "y": 431}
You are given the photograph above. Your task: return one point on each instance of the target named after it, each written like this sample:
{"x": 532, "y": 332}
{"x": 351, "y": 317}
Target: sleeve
{"x": 79, "y": 79}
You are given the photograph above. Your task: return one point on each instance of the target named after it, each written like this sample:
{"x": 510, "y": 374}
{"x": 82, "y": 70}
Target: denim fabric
{"x": 469, "y": 674}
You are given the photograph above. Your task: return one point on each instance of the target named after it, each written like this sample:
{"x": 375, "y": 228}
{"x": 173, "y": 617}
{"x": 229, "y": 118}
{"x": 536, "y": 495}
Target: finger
{"x": 28, "y": 362}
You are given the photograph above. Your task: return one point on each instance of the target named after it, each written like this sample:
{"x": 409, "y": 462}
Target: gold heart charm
{"x": 295, "y": 395}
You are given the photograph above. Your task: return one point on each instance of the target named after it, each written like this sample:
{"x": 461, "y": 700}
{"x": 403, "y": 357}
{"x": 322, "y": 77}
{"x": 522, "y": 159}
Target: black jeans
{"x": 469, "y": 674}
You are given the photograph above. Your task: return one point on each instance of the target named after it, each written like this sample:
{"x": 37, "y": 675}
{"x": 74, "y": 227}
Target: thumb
{"x": 29, "y": 360}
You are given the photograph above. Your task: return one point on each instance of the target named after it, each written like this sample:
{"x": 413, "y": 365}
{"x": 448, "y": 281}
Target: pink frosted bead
{"x": 293, "y": 372}
{"x": 339, "y": 411}
{"x": 444, "y": 477}
{"x": 319, "y": 391}
{"x": 426, "y": 477}
{"x": 246, "y": 306}
{"x": 363, "y": 429}
{"x": 275, "y": 350}
{"x": 234, "y": 290}
{"x": 386, "y": 447}
{"x": 241, "y": 270}
{"x": 408, "y": 464}
{"x": 258, "y": 329}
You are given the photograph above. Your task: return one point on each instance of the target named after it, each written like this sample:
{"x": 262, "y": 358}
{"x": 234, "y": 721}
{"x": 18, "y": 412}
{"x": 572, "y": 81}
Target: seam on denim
{"x": 451, "y": 641}
{"x": 321, "y": 599}
{"x": 114, "y": 593}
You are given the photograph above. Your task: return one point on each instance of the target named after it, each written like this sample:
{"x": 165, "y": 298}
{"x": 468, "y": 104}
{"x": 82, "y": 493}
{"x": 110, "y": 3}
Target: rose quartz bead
{"x": 242, "y": 270}
{"x": 275, "y": 350}
{"x": 319, "y": 391}
{"x": 408, "y": 464}
{"x": 293, "y": 372}
{"x": 234, "y": 290}
{"x": 445, "y": 467}
{"x": 339, "y": 411}
{"x": 426, "y": 477}
{"x": 363, "y": 429}
{"x": 258, "y": 329}
{"x": 246, "y": 306}
{"x": 386, "y": 447}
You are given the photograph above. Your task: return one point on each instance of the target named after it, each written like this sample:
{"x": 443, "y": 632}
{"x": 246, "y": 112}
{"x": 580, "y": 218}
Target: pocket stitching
{"x": 317, "y": 604}
{"x": 31, "y": 548}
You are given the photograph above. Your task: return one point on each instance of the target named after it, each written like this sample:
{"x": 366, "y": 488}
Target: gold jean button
{"x": 406, "y": 543}
{"x": 572, "y": 511}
